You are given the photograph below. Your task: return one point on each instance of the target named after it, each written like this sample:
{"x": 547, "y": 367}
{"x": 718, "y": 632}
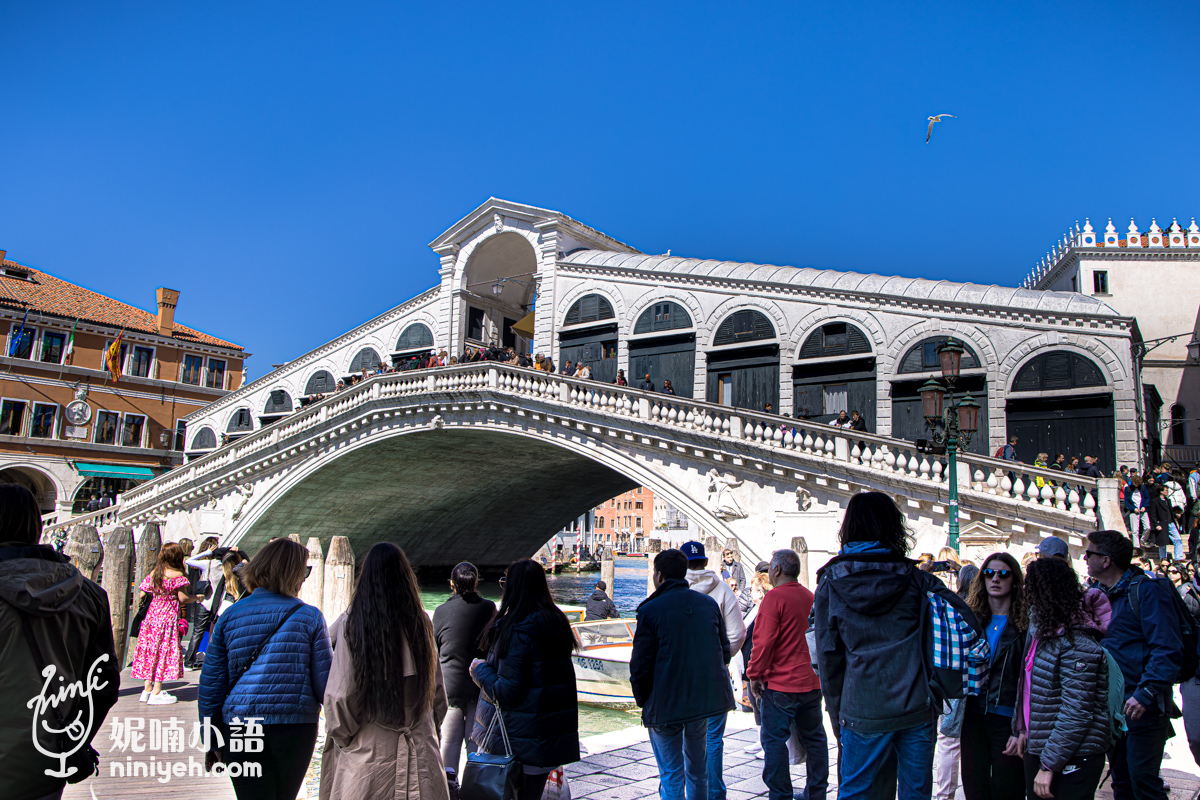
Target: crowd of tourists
{"x": 1014, "y": 678}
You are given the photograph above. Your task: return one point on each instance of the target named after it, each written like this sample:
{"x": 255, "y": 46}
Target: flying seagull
{"x": 933, "y": 119}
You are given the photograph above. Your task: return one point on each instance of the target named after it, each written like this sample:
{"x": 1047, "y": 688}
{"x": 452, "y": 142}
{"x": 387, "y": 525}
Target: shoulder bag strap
{"x": 258, "y": 650}
{"x": 498, "y": 719}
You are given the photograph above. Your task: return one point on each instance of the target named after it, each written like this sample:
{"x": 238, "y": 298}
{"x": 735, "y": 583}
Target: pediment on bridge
{"x": 977, "y": 540}
{"x": 501, "y": 214}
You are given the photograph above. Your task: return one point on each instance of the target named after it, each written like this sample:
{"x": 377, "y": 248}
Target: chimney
{"x": 3, "y": 253}
{"x": 167, "y": 300}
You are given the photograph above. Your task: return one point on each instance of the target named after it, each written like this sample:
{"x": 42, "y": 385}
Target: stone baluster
{"x": 1089, "y": 504}
{"x": 1018, "y": 488}
{"x": 1032, "y": 491}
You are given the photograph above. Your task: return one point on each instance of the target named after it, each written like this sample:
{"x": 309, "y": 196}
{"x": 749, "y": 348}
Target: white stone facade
{"x": 532, "y": 252}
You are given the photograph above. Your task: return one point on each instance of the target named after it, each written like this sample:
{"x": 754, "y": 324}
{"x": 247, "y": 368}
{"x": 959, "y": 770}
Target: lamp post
{"x": 958, "y": 420}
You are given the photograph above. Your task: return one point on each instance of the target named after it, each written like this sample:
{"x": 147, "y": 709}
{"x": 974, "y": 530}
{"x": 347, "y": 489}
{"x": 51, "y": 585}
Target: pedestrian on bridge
{"x": 385, "y": 698}
{"x": 708, "y": 582}
{"x": 679, "y": 677}
{"x": 529, "y": 677}
{"x": 457, "y": 625}
{"x": 646, "y": 385}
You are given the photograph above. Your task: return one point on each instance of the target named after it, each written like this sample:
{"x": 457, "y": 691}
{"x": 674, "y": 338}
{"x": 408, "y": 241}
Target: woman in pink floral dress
{"x": 158, "y": 656}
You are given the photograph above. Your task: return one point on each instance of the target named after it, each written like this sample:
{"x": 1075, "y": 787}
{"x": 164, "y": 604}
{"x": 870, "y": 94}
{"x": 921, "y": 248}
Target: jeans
{"x": 1190, "y": 693}
{"x": 1137, "y": 758}
{"x": 988, "y": 774}
{"x": 1176, "y": 540}
{"x": 456, "y": 731}
{"x": 679, "y": 753}
{"x": 1078, "y": 780}
{"x": 873, "y": 763}
{"x": 715, "y": 756}
{"x": 287, "y": 753}
{"x": 783, "y": 712}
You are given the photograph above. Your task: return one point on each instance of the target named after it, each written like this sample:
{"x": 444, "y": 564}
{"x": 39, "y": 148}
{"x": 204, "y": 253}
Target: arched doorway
{"x": 278, "y": 406}
{"x": 1059, "y": 402}
{"x": 38, "y": 483}
{"x": 497, "y": 290}
{"x": 589, "y": 336}
{"x": 919, "y": 364}
{"x": 834, "y": 372}
{"x": 743, "y": 363}
{"x": 664, "y": 345}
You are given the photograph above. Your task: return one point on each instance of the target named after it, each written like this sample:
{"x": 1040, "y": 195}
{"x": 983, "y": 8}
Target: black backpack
{"x": 1187, "y": 626}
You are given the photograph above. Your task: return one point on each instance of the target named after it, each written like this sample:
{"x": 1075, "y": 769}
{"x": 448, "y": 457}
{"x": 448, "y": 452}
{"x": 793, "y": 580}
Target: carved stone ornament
{"x": 804, "y": 500}
{"x": 437, "y": 423}
{"x": 245, "y": 491}
{"x": 721, "y": 500}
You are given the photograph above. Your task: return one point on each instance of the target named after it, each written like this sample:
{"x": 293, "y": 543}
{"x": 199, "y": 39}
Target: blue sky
{"x": 285, "y": 164}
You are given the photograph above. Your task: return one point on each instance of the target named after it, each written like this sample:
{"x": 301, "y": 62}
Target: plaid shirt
{"x": 956, "y": 645}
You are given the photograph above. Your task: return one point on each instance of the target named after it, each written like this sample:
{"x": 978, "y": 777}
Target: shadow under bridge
{"x": 443, "y": 496}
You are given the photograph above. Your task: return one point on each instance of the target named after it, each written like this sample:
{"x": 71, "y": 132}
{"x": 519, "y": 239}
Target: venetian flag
{"x": 112, "y": 357}
{"x": 70, "y": 353}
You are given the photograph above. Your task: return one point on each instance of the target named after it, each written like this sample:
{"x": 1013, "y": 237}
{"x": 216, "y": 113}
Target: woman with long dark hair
{"x": 384, "y": 700}
{"x": 997, "y": 600}
{"x": 529, "y": 677}
{"x": 1061, "y": 722}
{"x": 158, "y": 656}
{"x": 457, "y": 625}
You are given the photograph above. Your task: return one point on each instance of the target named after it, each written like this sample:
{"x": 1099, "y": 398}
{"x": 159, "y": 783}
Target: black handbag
{"x": 492, "y": 777}
{"x": 135, "y": 626}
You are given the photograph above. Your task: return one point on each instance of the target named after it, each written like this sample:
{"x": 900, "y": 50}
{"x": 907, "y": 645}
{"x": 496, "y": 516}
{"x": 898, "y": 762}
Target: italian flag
{"x": 70, "y": 354}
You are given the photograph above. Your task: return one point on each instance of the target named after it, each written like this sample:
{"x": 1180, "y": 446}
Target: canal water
{"x": 572, "y": 589}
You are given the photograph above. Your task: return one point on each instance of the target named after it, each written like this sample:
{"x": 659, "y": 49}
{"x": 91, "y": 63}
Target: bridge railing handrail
{"x": 984, "y": 474}
{"x": 99, "y": 518}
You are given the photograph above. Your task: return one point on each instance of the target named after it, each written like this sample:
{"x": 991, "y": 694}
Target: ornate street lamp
{"x": 958, "y": 421}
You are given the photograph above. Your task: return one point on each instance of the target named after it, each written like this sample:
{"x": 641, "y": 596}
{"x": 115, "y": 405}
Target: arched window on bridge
{"x": 240, "y": 424}
{"x": 278, "y": 406}
{"x": 743, "y": 364}
{"x": 415, "y": 341}
{"x": 664, "y": 345}
{"x": 834, "y": 372}
{"x": 366, "y": 359}
{"x": 591, "y": 338}
{"x": 320, "y": 383}
{"x": 1060, "y": 402}
{"x": 205, "y": 439}
{"x": 920, "y": 363}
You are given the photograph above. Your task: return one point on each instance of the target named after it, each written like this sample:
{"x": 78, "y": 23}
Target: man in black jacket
{"x": 42, "y": 596}
{"x": 600, "y": 605}
{"x": 869, "y": 614}
{"x": 679, "y": 676}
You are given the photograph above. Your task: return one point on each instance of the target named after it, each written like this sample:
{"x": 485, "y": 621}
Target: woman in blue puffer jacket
{"x": 267, "y": 664}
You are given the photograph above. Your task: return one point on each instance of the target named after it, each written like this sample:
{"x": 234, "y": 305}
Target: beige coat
{"x": 370, "y": 761}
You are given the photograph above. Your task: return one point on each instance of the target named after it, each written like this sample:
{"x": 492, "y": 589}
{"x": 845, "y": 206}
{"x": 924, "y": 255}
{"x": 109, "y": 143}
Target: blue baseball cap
{"x": 693, "y": 550}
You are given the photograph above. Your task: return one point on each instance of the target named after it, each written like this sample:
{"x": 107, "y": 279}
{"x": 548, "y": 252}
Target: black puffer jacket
{"x": 1068, "y": 708}
{"x": 535, "y": 691}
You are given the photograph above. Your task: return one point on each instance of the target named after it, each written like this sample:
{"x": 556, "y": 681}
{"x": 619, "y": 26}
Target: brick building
{"x": 67, "y": 429}
{"x": 625, "y": 521}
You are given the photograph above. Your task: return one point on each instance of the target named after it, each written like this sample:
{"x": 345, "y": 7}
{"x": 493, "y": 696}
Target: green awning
{"x": 113, "y": 471}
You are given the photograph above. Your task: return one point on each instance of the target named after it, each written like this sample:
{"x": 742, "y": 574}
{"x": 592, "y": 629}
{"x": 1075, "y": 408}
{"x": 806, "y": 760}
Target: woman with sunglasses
{"x": 996, "y": 598}
{"x": 1061, "y": 725}
{"x": 530, "y": 679}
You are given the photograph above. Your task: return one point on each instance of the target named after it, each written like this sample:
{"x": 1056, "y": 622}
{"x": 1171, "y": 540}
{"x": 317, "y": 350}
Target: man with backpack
{"x": 1153, "y": 639}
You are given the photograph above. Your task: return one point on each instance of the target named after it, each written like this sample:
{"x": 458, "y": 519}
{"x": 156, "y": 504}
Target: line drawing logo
{"x": 76, "y": 730}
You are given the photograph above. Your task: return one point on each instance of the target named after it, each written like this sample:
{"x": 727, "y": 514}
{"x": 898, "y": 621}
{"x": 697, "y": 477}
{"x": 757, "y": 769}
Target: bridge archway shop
{"x": 919, "y": 364}
{"x": 589, "y": 336}
{"x": 834, "y": 372}
{"x": 743, "y": 362}
{"x": 664, "y": 345}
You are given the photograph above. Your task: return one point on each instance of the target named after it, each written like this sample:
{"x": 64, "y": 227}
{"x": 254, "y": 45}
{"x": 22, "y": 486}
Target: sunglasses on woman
{"x": 991, "y": 573}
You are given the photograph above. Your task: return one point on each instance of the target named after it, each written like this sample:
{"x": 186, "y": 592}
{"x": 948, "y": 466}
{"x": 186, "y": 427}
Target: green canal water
{"x": 573, "y": 589}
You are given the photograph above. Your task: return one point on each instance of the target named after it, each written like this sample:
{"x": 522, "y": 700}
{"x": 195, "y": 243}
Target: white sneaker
{"x": 145, "y": 696}
{"x": 760, "y": 754}
{"x": 161, "y": 699}
{"x": 754, "y": 748}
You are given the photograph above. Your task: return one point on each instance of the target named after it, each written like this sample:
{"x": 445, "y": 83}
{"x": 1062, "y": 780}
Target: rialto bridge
{"x": 485, "y": 462}
{"x": 482, "y": 461}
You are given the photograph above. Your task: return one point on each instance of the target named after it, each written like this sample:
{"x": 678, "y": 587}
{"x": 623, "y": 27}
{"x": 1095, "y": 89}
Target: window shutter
{"x": 205, "y": 439}
{"x": 319, "y": 383}
{"x": 744, "y": 326}
{"x": 589, "y": 308}
{"x": 415, "y": 336}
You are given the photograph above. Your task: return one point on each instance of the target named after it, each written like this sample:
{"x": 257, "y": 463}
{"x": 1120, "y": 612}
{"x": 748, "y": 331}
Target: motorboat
{"x": 602, "y": 662}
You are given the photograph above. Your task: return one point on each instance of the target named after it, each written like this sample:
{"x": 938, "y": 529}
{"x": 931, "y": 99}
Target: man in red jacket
{"x": 781, "y": 675}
